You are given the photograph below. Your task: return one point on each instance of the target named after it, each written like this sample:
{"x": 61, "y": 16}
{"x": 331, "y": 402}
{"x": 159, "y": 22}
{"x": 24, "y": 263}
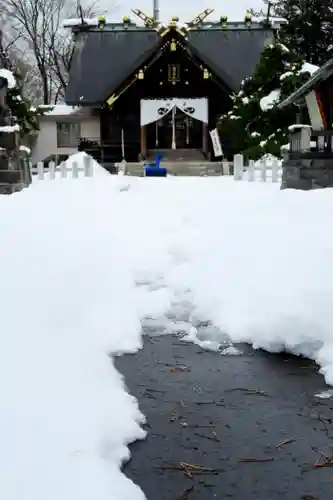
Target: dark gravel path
{"x": 217, "y": 411}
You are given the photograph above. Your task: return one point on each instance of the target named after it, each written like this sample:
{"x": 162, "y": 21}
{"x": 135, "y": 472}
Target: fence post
{"x": 275, "y": 170}
{"x": 52, "y": 170}
{"x": 238, "y": 167}
{"x": 63, "y": 169}
{"x": 87, "y": 166}
{"x": 263, "y": 170}
{"x": 251, "y": 170}
{"x": 225, "y": 168}
{"x": 75, "y": 170}
{"x": 40, "y": 170}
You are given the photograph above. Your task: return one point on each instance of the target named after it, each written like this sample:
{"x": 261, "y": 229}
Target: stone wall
{"x": 305, "y": 174}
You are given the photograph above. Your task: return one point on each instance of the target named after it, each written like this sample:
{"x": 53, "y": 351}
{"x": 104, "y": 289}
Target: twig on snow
{"x": 284, "y": 442}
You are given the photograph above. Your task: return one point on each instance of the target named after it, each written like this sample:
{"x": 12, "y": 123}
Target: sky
{"x": 188, "y": 9}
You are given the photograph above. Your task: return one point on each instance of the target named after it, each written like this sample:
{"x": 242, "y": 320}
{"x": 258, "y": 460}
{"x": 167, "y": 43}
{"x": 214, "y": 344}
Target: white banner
{"x": 214, "y": 135}
{"x": 153, "y": 110}
{"x": 196, "y": 108}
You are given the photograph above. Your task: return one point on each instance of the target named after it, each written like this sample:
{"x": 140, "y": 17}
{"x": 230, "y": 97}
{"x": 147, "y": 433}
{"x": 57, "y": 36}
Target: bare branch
{"x": 34, "y": 31}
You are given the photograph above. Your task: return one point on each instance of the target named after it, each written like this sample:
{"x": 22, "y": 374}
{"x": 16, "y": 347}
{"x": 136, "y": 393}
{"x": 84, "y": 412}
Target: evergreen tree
{"x": 309, "y": 27}
{"x": 27, "y": 116}
{"x": 255, "y": 126}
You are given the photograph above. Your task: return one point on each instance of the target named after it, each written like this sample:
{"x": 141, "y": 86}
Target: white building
{"x": 61, "y": 130}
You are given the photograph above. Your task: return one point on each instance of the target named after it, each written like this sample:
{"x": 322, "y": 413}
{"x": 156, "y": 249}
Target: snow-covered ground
{"x": 85, "y": 262}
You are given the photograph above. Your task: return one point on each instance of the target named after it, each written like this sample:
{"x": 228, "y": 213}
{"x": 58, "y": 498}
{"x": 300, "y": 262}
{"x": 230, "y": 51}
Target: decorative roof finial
{"x": 248, "y": 18}
{"x": 149, "y": 21}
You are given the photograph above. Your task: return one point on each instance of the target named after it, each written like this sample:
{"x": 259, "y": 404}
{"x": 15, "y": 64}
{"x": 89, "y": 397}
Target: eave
{"x": 319, "y": 76}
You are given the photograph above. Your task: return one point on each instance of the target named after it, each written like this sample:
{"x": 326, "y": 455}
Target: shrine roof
{"x": 103, "y": 59}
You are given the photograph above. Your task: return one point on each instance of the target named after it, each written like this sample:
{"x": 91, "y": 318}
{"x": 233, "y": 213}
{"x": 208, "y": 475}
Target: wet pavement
{"x": 251, "y": 424}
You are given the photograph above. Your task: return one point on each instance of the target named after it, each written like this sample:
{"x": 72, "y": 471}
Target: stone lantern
{"x": 14, "y": 172}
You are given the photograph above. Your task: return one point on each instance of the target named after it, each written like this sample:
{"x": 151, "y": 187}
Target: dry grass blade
{"x": 193, "y": 467}
{"x": 184, "y": 494}
{"x": 212, "y": 438}
{"x": 284, "y": 442}
{"x": 256, "y": 460}
{"x": 325, "y": 463}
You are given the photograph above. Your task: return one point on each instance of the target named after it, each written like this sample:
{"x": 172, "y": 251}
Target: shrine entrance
{"x": 188, "y": 132}
{"x": 174, "y": 124}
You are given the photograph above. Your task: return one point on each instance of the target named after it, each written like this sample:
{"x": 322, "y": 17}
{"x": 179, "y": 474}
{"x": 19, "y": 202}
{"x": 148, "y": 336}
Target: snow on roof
{"x": 89, "y": 21}
{"x": 8, "y": 75}
{"x": 272, "y": 20}
{"x": 58, "y": 109}
{"x": 309, "y": 68}
{"x": 75, "y": 21}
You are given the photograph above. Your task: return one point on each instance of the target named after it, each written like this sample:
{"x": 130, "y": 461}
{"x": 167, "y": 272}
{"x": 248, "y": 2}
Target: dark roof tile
{"x": 103, "y": 60}
{"x": 231, "y": 54}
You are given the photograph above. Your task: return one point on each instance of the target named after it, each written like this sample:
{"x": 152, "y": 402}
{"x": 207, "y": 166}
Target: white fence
{"x": 265, "y": 170}
{"x": 66, "y": 169}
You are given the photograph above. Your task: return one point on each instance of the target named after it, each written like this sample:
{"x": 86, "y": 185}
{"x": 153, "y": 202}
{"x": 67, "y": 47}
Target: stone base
{"x": 307, "y": 174}
{"x": 193, "y": 169}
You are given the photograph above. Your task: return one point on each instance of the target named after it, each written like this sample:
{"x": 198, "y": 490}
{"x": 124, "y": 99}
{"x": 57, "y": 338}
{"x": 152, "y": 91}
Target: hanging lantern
{"x": 224, "y": 21}
{"x": 206, "y": 74}
{"x": 141, "y": 74}
{"x": 101, "y": 22}
{"x": 173, "y": 45}
{"x": 126, "y": 22}
{"x": 248, "y": 19}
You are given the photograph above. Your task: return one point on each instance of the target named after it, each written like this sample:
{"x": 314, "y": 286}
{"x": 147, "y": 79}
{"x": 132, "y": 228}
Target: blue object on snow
{"x": 157, "y": 161}
{"x": 154, "y": 169}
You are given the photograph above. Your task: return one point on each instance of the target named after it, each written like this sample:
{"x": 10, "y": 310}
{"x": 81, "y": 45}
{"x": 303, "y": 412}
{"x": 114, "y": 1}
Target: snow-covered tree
{"x": 309, "y": 27}
{"x": 26, "y": 115}
{"x": 255, "y": 126}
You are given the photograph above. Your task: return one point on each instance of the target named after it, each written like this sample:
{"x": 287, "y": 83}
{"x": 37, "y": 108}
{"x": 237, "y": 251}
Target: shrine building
{"x": 160, "y": 87}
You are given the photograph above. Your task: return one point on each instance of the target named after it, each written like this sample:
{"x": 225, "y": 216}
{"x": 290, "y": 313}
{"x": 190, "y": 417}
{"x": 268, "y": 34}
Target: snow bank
{"x": 264, "y": 276}
{"x": 250, "y": 259}
{"x": 66, "y": 303}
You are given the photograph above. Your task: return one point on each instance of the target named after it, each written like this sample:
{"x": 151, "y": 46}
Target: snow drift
{"x": 85, "y": 261}
{"x": 251, "y": 259}
{"x": 66, "y": 303}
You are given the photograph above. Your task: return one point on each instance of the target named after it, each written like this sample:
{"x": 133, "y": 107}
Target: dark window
{"x": 68, "y": 135}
